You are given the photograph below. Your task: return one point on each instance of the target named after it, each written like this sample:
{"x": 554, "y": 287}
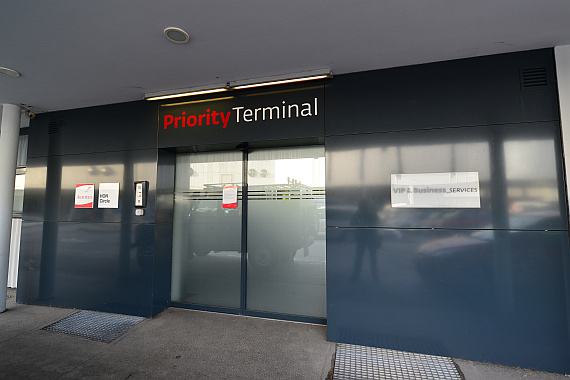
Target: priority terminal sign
{"x": 289, "y": 112}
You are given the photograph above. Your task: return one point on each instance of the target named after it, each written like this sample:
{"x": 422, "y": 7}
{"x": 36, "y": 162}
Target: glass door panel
{"x": 206, "y": 252}
{"x": 286, "y": 231}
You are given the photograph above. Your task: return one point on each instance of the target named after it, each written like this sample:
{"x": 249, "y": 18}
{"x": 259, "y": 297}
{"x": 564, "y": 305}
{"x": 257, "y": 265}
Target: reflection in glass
{"x": 206, "y": 260}
{"x": 531, "y": 178}
{"x": 19, "y": 193}
{"x": 286, "y": 234}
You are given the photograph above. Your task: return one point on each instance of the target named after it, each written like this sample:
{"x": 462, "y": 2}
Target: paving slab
{"x": 486, "y": 371}
{"x": 180, "y": 343}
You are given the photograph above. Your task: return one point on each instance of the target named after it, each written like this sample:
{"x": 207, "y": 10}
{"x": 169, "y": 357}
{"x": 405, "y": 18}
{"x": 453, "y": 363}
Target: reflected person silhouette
{"x": 367, "y": 236}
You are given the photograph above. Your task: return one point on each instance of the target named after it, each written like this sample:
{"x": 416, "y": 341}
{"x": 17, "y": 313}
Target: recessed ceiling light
{"x": 176, "y": 35}
{"x": 9, "y": 72}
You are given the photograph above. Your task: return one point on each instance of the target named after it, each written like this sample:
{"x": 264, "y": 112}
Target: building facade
{"x": 286, "y": 203}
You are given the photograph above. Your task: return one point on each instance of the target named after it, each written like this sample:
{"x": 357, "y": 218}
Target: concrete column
{"x": 9, "y": 134}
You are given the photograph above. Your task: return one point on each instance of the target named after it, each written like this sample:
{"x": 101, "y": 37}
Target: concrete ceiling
{"x": 78, "y": 53}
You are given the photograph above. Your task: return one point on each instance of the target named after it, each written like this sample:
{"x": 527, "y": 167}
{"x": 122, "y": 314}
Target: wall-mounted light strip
{"x": 238, "y": 85}
{"x": 291, "y": 78}
{"x": 278, "y": 82}
{"x": 186, "y": 92}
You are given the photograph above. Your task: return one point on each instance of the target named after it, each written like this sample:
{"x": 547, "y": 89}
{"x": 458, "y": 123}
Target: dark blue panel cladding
{"x": 163, "y": 231}
{"x": 475, "y": 91}
{"x": 96, "y": 266}
{"x": 489, "y": 283}
{"x": 519, "y": 166}
{"x": 490, "y": 296}
{"x": 123, "y": 126}
{"x": 36, "y": 186}
{"x": 55, "y": 201}
{"x": 162, "y": 267}
{"x": 165, "y": 186}
{"x": 30, "y": 262}
{"x": 96, "y": 258}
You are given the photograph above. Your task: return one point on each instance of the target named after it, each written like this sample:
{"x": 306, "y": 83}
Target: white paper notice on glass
{"x": 229, "y": 197}
{"x": 108, "y": 195}
{"x": 84, "y": 193}
{"x": 436, "y": 190}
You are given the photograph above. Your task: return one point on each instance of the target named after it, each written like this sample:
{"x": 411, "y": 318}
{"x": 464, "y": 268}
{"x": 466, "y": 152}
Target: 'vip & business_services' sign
{"x": 436, "y": 190}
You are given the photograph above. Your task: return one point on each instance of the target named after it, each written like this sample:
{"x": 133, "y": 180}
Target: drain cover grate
{"x": 102, "y": 327}
{"x": 369, "y": 363}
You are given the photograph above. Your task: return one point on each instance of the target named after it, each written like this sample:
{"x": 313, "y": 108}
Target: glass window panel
{"x": 22, "y": 151}
{"x": 206, "y": 259}
{"x": 19, "y": 195}
{"x": 286, "y": 234}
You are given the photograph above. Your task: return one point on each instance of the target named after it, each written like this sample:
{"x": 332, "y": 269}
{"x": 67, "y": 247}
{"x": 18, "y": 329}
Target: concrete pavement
{"x": 184, "y": 344}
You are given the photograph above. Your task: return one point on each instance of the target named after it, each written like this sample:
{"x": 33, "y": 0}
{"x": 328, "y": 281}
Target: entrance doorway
{"x": 263, "y": 256}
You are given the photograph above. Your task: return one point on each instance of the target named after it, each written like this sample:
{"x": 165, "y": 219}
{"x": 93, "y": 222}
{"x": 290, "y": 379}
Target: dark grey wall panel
{"x": 165, "y": 186}
{"x": 519, "y": 168}
{"x": 162, "y": 267}
{"x": 51, "y": 181}
{"x": 112, "y": 251}
{"x": 492, "y": 296}
{"x": 30, "y": 261}
{"x": 93, "y": 266}
{"x": 36, "y": 185}
{"x": 485, "y": 284}
{"x": 474, "y": 91}
{"x": 162, "y": 260}
{"x": 123, "y": 126}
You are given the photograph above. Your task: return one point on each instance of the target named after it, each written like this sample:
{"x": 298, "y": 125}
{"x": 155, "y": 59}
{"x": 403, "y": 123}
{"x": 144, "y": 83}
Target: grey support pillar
{"x": 9, "y": 134}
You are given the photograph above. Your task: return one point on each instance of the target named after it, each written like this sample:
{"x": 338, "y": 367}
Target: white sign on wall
{"x": 436, "y": 190}
{"x": 84, "y": 194}
{"x": 108, "y": 195}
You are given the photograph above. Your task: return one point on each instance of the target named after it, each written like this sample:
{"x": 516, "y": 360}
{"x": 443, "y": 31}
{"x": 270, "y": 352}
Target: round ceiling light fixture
{"x": 176, "y": 35}
{"x": 9, "y": 72}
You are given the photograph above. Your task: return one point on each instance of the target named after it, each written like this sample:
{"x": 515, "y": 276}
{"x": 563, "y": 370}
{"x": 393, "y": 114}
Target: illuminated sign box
{"x": 287, "y": 112}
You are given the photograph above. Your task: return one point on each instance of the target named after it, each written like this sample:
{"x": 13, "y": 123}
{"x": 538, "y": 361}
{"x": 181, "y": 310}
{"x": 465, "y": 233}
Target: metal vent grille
{"x": 53, "y": 128}
{"x": 94, "y": 325}
{"x": 368, "y": 363}
{"x": 532, "y": 78}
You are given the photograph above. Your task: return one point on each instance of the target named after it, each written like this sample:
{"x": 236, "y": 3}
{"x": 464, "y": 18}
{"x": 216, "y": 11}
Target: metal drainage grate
{"x": 369, "y": 363}
{"x": 102, "y": 327}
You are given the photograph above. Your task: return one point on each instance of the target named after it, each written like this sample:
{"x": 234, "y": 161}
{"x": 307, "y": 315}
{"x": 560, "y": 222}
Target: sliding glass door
{"x": 285, "y": 232}
{"x": 206, "y": 249}
{"x": 266, "y": 255}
